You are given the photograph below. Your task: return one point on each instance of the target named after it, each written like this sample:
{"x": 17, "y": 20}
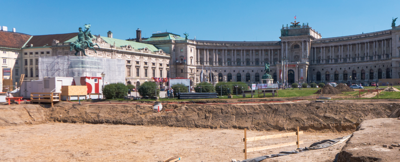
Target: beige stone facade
{"x": 302, "y": 55}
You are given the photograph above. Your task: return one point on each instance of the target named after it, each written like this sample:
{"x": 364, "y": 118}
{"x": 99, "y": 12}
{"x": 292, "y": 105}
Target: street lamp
{"x": 102, "y": 77}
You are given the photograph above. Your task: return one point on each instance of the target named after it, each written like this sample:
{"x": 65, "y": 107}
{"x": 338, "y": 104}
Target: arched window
{"x": 379, "y": 73}
{"x": 247, "y": 61}
{"x": 345, "y": 76}
{"x": 210, "y": 61}
{"x": 388, "y": 73}
{"x": 238, "y": 77}
{"x": 257, "y": 61}
{"x": 129, "y": 82}
{"x": 327, "y": 76}
{"x": 248, "y": 77}
{"x": 336, "y": 77}
{"x": 318, "y": 76}
{"x": 296, "y": 46}
{"x": 354, "y": 75}
{"x": 274, "y": 77}
{"x": 257, "y": 77}
{"x": 229, "y": 77}
{"x": 371, "y": 74}
{"x": 220, "y": 77}
{"x": 238, "y": 62}
{"x": 362, "y": 74}
{"x": 137, "y": 84}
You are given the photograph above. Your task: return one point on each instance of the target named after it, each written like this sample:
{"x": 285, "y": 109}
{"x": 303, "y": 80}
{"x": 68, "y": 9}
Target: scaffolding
{"x": 79, "y": 66}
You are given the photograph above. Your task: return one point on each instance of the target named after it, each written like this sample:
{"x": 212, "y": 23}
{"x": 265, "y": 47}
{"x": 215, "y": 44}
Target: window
{"x": 128, "y": 71}
{"x": 26, "y": 72}
{"x": 296, "y": 46}
{"x": 167, "y": 65}
{"x": 31, "y": 72}
{"x": 345, "y": 75}
{"x": 160, "y": 64}
{"x": 154, "y": 72}
{"x": 16, "y": 72}
{"x": 229, "y": 77}
{"x": 220, "y": 77}
{"x": 30, "y": 61}
{"x": 48, "y": 52}
{"x": 318, "y": 76}
{"x": 160, "y": 73}
{"x": 145, "y": 72}
{"x": 238, "y": 77}
{"x": 137, "y": 72}
{"x": 16, "y": 62}
{"x": 145, "y": 63}
{"x": 247, "y": 62}
{"x": 154, "y": 64}
{"x": 31, "y": 53}
{"x": 257, "y": 77}
{"x": 4, "y": 61}
{"x": 247, "y": 77}
{"x": 137, "y": 62}
{"x": 37, "y": 72}
{"x": 36, "y": 61}
{"x": 181, "y": 70}
{"x": 96, "y": 80}
{"x": 25, "y": 53}
{"x": 26, "y": 61}
{"x": 42, "y": 52}
{"x": 128, "y": 62}
{"x": 4, "y": 51}
{"x": 36, "y": 53}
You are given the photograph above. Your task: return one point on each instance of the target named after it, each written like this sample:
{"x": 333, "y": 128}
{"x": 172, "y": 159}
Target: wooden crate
{"x": 73, "y": 90}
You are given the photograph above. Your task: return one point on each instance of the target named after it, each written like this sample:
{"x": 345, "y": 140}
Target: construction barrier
{"x": 45, "y": 98}
{"x": 251, "y": 139}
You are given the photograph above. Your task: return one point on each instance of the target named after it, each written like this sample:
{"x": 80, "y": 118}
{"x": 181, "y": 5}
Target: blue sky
{"x": 229, "y": 20}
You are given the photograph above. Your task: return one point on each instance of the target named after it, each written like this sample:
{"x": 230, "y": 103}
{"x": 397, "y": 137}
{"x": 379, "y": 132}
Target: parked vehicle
{"x": 333, "y": 84}
{"x": 373, "y": 84}
{"x": 355, "y": 86}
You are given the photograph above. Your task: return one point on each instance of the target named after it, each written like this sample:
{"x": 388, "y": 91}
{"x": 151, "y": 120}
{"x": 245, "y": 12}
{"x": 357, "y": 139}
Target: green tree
{"x": 313, "y": 85}
{"x": 130, "y": 86}
{"x": 115, "y": 90}
{"x": 321, "y": 85}
{"x": 179, "y": 88}
{"x": 304, "y": 85}
{"x": 295, "y": 85}
{"x": 148, "y": 89}
{"x": 205, "y": 87}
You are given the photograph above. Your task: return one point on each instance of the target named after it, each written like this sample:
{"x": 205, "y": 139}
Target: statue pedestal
{"x": 267, "y": 81}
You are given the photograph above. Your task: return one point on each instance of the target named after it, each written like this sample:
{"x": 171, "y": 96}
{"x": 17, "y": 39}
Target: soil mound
{"x": 391, "y": 89}
{"x": 328, "y": 89}
{"x": 343, "y": 88}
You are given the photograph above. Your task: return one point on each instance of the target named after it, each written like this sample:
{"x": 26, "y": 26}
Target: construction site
{"x": 203, "y": 130}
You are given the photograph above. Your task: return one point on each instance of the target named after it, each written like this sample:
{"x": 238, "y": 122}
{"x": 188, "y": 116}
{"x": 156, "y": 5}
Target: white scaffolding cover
{"x": 78, "y": 66}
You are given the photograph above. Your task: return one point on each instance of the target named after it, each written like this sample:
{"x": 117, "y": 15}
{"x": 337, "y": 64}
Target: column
{"x": 286, "y": 52}
{"x": 330, "y": 54}
{"x": 390, "y": 48}
{"x": 241, "y": 57}
{"x": 384, "y": 51}
{"x": 368, "y": 51}
{"x": 281, "y": 50}
{"x": 302, "y": 50}
{"x": 214, "y": 57}
{"x": 226, "y": 57}
{"x": 271, "y": 56}
{"x": 307, "y": 50}
{"x": 197, "y": 57}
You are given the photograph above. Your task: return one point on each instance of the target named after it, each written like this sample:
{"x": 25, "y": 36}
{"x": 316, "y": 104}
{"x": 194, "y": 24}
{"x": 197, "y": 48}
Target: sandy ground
{"x": 100, "y": 142}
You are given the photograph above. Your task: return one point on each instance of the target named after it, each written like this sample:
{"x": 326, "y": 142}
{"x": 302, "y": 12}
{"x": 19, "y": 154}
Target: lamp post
{"x": 221, "y": 89}
{"x": 102, "y": 77}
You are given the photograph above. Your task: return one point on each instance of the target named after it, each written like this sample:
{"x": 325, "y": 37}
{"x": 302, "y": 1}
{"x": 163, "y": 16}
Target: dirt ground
{"x": 102, "y": 142}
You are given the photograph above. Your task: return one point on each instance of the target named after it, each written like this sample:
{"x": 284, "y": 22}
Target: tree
{"x": 321, "y": 85}
{"x": 179, "y": 88}
{"x": 130, "y": 86}
{"x": 295, "y": 85}
{"x": 304, "y": 85}
{"x": 313, "y": 85}
{"x": 148, "y": 89}
{"x": 115, "y": 90}
{"x": 205, "y": 87}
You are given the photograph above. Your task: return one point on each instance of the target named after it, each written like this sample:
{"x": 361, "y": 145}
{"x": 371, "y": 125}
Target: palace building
{"x": 301, "y": 55}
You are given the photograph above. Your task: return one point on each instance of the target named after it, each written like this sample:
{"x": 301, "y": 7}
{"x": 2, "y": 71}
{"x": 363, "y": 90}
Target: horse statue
{"x": 267, "y": 71}
{"x": 84, "y": 41}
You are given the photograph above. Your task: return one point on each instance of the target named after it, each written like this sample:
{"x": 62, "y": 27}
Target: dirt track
{"x": 102, "y": 142}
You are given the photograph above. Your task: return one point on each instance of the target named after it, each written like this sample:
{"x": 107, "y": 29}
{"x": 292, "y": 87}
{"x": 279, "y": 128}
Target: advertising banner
{"x": 267, "y": 86}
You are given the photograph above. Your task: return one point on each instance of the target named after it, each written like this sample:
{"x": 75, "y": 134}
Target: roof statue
{"x": 295, "y": 24}
{"x": 267, "y": 71}
{"x": 394, "y": 22}
{"x": 186, "y": 35}
{"x": 84, "y": 41}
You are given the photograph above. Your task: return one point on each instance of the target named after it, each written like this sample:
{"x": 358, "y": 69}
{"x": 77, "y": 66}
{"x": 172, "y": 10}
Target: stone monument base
{"x": 267, "y": 81}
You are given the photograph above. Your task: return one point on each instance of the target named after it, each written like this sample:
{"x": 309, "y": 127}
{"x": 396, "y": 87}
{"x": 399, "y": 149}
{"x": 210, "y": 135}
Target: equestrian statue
{"x": 267, "y": 71}
{"x": 84, "y": 41}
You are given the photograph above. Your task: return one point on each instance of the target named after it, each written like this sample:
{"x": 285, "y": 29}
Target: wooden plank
{"x": 272, "y": 136}
{"x": 272, "y": 146}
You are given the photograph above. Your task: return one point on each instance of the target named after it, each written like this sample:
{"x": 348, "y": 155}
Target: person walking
{"x": 377, "y": 85}
{"x": 172, "y": 93}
